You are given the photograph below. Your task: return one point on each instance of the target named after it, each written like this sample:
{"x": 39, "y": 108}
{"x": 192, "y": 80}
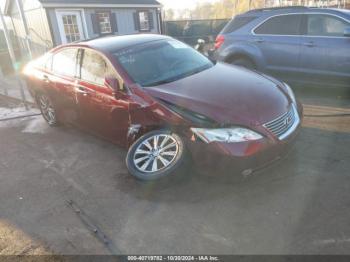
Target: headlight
{"x": 228, "y": 135}
{"x": 290, "y": 93}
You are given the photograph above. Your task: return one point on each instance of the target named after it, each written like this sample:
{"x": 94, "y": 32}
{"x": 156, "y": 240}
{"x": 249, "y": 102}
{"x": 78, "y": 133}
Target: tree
{"x": 221, "y": 9}
{"x": 169, "y": 14}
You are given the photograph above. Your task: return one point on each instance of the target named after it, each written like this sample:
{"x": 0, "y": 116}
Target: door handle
{"x": 259, "y": 40}
{"x": 81, "y": 90}
{"x": 309, "y": 44}
{"x": 46, "y": 79}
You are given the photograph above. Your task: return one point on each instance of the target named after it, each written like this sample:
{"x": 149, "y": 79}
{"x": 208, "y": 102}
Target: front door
{"x": 100, "y": 111}
{"x": 70, "y": 26}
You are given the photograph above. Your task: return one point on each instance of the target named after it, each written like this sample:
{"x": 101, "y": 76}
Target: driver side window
{"x": 94, "y": 68}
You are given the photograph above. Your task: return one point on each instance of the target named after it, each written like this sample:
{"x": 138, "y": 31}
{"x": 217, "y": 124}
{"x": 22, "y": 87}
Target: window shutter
{"x": 137, "y": 21}
{"x": 151, "y": 20}
{"x": 114, "y": 23}
{"x": 95, "y": 24}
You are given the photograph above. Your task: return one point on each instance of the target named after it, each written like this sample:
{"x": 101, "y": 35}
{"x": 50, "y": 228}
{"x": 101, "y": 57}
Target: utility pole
{"x": 25, "y": 25}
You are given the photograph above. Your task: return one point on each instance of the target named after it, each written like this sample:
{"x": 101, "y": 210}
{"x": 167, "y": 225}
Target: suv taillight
{"x": 219, "y": 41}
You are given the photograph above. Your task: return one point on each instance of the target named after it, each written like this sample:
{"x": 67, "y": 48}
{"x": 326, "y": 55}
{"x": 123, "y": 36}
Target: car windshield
{"x": 162, "y": 62}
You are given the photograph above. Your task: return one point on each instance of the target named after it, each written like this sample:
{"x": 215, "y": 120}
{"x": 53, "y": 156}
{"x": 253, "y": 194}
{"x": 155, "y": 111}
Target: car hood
{"x": 227, "y": 94}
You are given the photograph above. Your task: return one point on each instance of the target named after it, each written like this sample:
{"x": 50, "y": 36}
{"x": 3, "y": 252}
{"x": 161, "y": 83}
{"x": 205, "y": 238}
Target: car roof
{"x": 113, "y": 44}
{"x": 294, "y": 9}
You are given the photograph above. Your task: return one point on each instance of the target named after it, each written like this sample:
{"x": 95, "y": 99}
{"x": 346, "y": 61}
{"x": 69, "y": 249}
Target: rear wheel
{"x": 47, "y": 109}
{"x": 155, "y": 155}
{"x": 244, "y": 62}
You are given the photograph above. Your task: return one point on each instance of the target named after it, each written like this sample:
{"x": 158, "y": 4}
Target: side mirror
{"x": 113, "y": 83}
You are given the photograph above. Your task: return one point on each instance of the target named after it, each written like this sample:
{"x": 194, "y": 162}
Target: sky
{"x": 181, "y": 4}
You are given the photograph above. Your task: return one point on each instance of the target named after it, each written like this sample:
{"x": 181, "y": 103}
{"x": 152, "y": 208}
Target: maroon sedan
{"x": 165, "y": 102}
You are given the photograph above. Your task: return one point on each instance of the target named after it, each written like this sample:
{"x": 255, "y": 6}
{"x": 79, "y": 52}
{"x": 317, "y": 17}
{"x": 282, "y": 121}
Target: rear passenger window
{"x": 237, "y": 23}
{"x": 64, "y": 62}
{"x": 280, "y": 25}
{"x": 44, "y": 62}
{"x": 94, "y": 68}
{"x": 48, "y": 63}
{"x": 325, "y": 25}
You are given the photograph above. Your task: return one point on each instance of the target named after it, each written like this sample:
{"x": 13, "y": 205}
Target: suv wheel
{"x": 155, "y": 155}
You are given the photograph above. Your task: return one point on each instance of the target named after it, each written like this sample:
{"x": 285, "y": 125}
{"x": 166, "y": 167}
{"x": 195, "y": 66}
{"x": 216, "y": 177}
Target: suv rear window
{"x": 237, "y": 23}
{"x": 280, "y": 25}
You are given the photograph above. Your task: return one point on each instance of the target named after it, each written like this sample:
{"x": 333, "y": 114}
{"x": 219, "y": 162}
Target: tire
{"x": 147, "y": 163}
{"x": 47, "y": 109}
{"x": 244, "y": 62}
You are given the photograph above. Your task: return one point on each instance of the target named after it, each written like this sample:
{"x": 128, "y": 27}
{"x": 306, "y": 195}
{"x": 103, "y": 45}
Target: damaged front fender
{"x": 153, "y": 116}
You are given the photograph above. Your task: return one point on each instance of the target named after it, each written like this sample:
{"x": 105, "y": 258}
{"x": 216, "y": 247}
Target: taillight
{"x": 219, "y": 41}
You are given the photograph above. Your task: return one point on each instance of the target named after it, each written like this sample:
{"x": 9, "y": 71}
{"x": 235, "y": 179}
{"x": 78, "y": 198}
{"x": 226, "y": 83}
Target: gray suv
{"x": 297, "y": 44}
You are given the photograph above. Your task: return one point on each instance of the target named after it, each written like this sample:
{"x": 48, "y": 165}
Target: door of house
{"x": 70, "y": 26}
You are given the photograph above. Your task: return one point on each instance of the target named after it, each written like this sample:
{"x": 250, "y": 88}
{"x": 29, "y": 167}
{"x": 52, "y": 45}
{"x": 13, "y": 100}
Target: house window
{"x": 71, "y": 28}
{"x": 104, "y": 20}
{"x": 144, "y": 21}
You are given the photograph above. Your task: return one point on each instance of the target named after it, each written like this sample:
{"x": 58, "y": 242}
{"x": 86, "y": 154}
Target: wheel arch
{"x": 136, "y": 131}
{"x": 246, "y": 51}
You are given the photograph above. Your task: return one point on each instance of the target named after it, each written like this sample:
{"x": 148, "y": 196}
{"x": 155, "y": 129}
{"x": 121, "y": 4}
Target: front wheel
{"x": 155, "y": 155}
{"x": 47, "y": 109}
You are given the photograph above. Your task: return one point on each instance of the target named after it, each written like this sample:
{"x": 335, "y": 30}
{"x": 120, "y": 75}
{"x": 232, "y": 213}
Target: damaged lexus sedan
{"x": 166, "y": 103}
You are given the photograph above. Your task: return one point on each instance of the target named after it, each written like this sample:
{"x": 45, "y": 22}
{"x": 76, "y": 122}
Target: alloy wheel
{"x": 47, "y": 109}
{"x": 156, "y": 153}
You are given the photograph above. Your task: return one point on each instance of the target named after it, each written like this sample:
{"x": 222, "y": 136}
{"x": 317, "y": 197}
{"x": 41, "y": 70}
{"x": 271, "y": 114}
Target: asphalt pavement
{"x": 63, "y": 191}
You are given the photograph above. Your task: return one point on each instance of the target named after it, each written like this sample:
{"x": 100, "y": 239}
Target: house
{"x": 54, "y": 22}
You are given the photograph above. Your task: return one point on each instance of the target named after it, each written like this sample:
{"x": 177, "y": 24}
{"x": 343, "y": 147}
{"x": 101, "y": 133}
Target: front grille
{"x": 282, "y": 126}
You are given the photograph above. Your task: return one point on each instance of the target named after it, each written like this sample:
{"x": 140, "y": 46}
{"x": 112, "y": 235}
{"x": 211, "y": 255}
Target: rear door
{"x": 278, "y": 39}
{"x": 325, "y": 51}
{"x": 63, "y": 81}
{"x": 100, "y": 111}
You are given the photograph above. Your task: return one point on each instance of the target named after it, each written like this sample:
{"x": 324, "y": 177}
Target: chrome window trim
{"x": 303, "y": 13}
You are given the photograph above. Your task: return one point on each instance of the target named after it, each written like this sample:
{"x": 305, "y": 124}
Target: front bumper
{"x": 241, "y": 157}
